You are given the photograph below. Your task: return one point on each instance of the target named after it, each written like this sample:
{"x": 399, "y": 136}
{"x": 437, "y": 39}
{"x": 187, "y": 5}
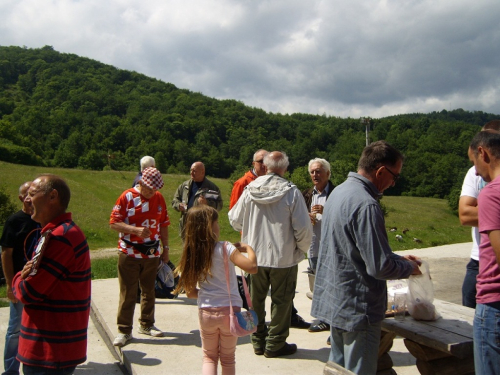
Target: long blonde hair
{"x": 199, "y": 243}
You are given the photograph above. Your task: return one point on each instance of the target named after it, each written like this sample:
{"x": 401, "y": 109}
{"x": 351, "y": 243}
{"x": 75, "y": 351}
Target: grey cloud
{"x": 346, "y": 58}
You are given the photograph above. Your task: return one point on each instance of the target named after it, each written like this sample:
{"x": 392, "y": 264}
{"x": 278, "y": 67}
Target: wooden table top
{"x": 452, "y": 333}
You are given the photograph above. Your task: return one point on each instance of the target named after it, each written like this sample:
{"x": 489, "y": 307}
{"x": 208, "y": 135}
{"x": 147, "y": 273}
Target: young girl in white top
{"x": 202, "y": 265}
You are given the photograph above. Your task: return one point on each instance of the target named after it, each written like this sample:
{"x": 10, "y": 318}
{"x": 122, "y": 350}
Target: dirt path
{"x": 103, "y": 253}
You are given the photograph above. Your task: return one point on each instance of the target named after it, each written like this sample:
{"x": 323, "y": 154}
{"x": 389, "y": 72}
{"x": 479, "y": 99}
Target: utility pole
{"x": 366, "y": 122}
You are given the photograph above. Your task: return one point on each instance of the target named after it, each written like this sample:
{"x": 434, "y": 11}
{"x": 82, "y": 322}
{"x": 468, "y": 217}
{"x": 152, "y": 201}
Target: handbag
{"x": 241, "y": 323}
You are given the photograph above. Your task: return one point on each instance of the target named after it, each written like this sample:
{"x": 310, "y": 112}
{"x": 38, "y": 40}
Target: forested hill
{"x": 63, "y": 110}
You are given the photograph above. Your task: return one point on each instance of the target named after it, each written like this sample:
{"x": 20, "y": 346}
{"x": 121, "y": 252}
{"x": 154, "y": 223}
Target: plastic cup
{"x": 399, "y": 306}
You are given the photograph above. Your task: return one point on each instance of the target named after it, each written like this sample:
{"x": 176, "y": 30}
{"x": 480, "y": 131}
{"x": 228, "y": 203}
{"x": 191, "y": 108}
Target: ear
{"x": 484, "y": 154}
{"x": 54, "y": 195}
{"x": 21, "y": 198}
{"x": 378, "y": 172}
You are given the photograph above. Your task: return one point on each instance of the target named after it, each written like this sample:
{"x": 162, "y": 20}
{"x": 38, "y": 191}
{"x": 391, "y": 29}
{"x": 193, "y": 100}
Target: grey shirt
{"x": 354, "y": 258}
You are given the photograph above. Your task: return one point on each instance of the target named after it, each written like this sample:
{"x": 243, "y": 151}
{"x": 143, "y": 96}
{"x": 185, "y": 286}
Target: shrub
{"x": 7, "y": 206}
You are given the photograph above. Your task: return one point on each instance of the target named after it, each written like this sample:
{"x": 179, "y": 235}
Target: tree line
{"x": 62, "y": 110}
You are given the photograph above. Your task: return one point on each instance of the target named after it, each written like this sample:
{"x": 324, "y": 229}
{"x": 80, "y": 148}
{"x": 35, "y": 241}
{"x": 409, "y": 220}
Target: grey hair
{"x": 276, "y": 163}
{"x": 146, "y": 162}
{"x": 258, "y": 152}
{"x": 324, "y": 164}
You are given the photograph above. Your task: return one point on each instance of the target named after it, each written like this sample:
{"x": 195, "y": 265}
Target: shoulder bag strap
{"x": 245, "y": 287}
{"x": 226, "y": 267}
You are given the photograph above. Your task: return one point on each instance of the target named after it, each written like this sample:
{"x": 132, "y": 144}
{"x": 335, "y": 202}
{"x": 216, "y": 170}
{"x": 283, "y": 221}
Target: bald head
{"x": 23, "y": 192}
{"x": 197, "y": 171}
{"x": 49, "y": 197}
{"x": 276, "y": 162}
{"x": 23, "y": 189}
{"x": 258, "y": 162}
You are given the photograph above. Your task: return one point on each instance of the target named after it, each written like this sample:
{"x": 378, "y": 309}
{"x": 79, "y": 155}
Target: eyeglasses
{"x": 395, "y": 176}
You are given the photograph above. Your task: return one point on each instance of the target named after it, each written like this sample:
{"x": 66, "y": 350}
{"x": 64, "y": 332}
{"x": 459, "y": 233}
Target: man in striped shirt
{"x": 54, "y": 285}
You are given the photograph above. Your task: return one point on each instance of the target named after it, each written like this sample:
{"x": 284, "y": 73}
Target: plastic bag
{"x": 421, "y": 295}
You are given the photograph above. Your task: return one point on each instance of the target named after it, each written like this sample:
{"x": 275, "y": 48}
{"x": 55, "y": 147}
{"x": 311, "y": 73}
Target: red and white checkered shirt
{"x": 133, "y": 209}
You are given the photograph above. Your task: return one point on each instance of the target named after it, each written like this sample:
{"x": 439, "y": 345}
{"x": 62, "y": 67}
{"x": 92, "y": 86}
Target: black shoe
{"x": 319, "y": 327}
{"x": 288, "y": 349}
{"x": 328, "y": 342}
{"x": 258, "y": 351}
{"x": 299, "y": 322}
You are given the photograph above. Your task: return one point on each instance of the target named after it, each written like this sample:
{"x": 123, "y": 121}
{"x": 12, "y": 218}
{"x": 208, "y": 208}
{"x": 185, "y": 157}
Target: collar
{"x": 57, "y": 221}
{"x": 372, "y": 189}
{"x": 325, "y": 190}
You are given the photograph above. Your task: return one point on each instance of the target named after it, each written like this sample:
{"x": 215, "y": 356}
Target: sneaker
{"x": 299, "y": 322}
{"x": 288, "y": 349}
{"x": 309, "y": 295}
{"x": 319, "y": 327}
{"x": 151, "y": 331}
{"x": 121, "y": 339}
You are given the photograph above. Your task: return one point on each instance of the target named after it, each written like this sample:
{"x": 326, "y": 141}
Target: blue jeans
{"x": 10, "y": 363}
{"x": 38, "y": 370}
{"x": 487, "y": 339}
{"x": 469, "y": 285}
{"x": 356, "y": 351}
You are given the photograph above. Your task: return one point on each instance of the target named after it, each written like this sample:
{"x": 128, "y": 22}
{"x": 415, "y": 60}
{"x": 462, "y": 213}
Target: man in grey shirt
{"x": 355, "y": 260}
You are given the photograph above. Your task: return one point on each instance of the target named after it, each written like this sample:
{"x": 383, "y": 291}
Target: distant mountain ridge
{"x": 62, "y": 110}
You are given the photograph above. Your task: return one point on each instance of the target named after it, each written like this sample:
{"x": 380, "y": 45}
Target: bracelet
{"x": 166, "y": 247}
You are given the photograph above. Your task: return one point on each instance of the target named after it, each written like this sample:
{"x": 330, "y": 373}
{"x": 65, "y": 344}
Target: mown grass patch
{"x": 429, "y": 220}
{"x": 93, "y": 194}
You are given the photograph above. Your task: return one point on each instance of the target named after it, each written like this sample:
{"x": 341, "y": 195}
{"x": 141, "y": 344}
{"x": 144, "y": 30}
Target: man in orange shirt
{"x": 258, "y": 170}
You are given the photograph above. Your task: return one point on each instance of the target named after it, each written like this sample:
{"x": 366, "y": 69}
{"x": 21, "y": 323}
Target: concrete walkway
{"x": 179, "y": 352}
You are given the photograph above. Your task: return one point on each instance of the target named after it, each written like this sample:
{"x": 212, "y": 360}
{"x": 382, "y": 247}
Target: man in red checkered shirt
{"x": 140, "y": 216}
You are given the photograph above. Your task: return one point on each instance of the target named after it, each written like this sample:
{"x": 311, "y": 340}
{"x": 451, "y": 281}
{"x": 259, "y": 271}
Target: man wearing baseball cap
{"x": 140, "y": 216}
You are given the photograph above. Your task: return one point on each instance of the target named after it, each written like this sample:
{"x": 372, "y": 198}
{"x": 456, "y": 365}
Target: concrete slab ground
{"x": 179, "y": 352}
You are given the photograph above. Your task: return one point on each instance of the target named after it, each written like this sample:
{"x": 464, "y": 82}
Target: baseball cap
{"x": 151, "y": 177}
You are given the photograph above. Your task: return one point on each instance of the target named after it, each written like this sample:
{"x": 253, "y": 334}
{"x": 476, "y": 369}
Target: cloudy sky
{"x": 340, "y": 57}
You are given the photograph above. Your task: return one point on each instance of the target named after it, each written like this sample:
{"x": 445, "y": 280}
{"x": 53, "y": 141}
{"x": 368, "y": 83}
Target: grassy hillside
{"x": 94, "y": 194}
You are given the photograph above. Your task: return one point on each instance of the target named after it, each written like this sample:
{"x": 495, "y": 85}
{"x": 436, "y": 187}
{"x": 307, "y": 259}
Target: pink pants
{"x": 216, "y": 340}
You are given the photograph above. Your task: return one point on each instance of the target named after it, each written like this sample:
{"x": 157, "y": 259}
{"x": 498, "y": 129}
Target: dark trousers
{"x": 469, "y": 285}
{"x": 282, "y": 282}
{"x": 131, "y": 273}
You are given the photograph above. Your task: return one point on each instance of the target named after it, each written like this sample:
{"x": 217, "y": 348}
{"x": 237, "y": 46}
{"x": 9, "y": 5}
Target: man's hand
{"x": 26, "y": 270}
{"x": 202, "y": 200}
{"x": 143, "y": 232}
{"x": 10, "y": 294}
{"x": 312, "y": 217}
{"x": 416, "y": 262}
{"x": 165, "y": 256}
{"x": 317, "y": 209}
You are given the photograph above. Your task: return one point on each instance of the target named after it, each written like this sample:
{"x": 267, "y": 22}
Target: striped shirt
{"x": 56, "y": 300}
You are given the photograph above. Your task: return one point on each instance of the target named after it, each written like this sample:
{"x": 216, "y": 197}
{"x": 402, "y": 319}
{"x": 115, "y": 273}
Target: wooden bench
{"x": 444, "y": 346}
